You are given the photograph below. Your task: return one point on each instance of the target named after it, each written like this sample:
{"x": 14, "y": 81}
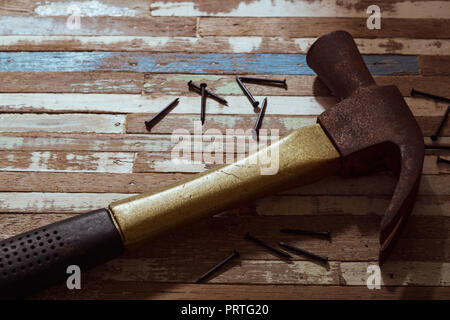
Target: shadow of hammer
{"x": 370, "y": 127}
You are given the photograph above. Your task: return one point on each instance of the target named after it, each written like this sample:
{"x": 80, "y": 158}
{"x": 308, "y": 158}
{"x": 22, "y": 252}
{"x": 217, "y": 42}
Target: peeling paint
{"x": 91, "y": 8}
{"x": 305, "y": 8}
{"x": 244, "y": 44}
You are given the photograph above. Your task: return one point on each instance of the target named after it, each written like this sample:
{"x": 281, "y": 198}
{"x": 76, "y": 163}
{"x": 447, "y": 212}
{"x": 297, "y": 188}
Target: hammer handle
{"x": 37, "y": 259}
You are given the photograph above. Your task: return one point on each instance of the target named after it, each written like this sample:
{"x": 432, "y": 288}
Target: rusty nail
{"x": 428, "y": 95}
{"x": 259, "y": 120}
{"x": 149, "y": 124}
{"x": 434, "y": 137}
{"x": 235, "y": 254}
{"x": 307, "y": 232}
{"x": 442, "y": 160}
{"x": 265, "y": 81}
{"x": 304, "y": 252}
{"x": 193, "y": 87}
{"x": 268, "y": 246}
{"x": 247, "y": 93}
{"x": 203, "y": 109}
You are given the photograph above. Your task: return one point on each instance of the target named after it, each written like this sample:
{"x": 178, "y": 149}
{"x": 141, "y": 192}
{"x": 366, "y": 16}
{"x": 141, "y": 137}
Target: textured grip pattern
{"x": 39, "y": 258}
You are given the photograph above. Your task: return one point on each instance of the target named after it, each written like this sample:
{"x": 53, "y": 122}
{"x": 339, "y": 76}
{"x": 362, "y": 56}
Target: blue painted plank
{"x": 265, "y": 63}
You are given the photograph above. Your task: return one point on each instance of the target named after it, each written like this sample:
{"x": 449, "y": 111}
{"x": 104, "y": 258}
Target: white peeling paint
{"x": 244, "y": 44}
{"x": 177, "y": 165}
{"x": 56, "y": 202}
{"x": 87, "y": 9}
{"x": 99, "y": 123}
{"x": 307, "y": 8}
{"x": 100, "y": 162}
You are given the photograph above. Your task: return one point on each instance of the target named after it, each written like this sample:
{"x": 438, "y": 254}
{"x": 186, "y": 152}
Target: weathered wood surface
{"x": 208, "y": 44}
{"x": 73, "y": 102}
{"x": 226, "y": 63}
{"x": 176, "y": 84}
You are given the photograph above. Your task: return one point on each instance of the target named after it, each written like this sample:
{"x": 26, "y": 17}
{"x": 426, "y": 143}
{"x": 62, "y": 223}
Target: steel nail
{"x": 247, "y": 93}
{"x": 258, "y": 123}
{"x": 149, "y": 124}
{"x": 428, "y": 95}
{"x": 268, "y": 246}
{"x": 434, "y": 137}
{"x": 203, "y": 107}
{"x": 264, "y": 81}
{"x": 304, "y": 252}
{"x": 193, "y": 87}
{"x": 235, "y": 254}
{"x": 325, "y": 234}
{"x": 442, "y": 160}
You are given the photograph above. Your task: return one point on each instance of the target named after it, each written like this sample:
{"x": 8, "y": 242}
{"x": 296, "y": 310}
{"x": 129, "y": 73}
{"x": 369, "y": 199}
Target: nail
{"x": 150, "y": 124}
{"x": 202, "y": 113}
{"x": 442, "y": 160}
{"x": 325, "y": 234}
{"x": 257, "y": 126}
{"x": 193, "y": 87}
{"x": 264, "y": 81}
{"x": 235, "y": 254}
{"x": 434, "y": 137}
{"x": 247, "y": 93}
{"x": 304, "y": 252}
{"x": 428, "y": 95}
{"x": 268, "y": 246}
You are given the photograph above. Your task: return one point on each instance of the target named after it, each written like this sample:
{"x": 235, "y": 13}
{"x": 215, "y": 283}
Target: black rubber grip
{"x": 37, "y": 259}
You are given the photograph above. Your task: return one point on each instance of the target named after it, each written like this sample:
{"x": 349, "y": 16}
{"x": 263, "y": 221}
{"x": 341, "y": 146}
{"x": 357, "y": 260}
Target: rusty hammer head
{"x": 371, "y": 126}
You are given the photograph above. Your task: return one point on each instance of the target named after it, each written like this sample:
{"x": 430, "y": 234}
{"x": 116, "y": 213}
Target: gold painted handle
{"x": 305, "y": 155}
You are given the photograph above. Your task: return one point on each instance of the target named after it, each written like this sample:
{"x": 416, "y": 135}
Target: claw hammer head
{"x": 371, "y": 127}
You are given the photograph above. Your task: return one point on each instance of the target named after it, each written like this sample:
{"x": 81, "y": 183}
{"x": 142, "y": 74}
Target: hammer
{"x": 369, "y": 128}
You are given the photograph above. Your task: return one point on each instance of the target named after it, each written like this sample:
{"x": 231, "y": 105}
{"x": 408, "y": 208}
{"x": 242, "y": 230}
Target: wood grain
{"x": 210, "y": 44}
{"x": 432, "y": 65}
{"x": 61, "y": 123}
{"x": 37, "y": 202}
{"x": 180, "y": 291}
{"x": 289, "y": 27}
{"x": 98, "y": 26}
{"x": 226, "y": 63}
{"x": 71, "y": 82}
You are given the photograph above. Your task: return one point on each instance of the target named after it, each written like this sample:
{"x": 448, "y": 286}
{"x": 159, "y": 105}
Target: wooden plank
{"x": 300, "y": 8}
{"x": 153, "y": 177}
{"x": 100, "y": 123}
{"x": 163, "y": 162}
{"x": 99, "y": 26}
{"x": 86, "y": 182}
{"x": 355, "y": 238}
{"x": 431, "y": 65}
{"x": 227, "y": 63}
{"x": 39, "y": 141}
{"x": 293, "y": 106}
{"x": 115, "y": 8}
{"x": 213, "y": 44}
{"x": 400, "y": 273}
{"x": 71, "y": 82}
{"x": 298, "y": 85}
{"x": 67, "y": 161}
{"x": 352, "y": 205}
{"x": 285, "y": 124}
{"x": 37, "y": 202}
{"x": 118, "y": 290}
{"x": 287, "y": 27}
